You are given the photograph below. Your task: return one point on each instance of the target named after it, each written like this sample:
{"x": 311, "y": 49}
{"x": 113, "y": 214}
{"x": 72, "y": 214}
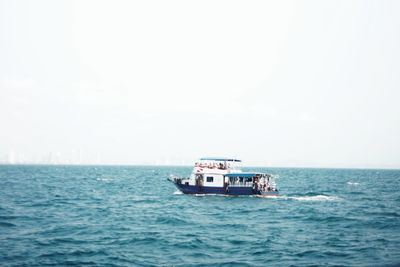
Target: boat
{"x": 223, "y": 176}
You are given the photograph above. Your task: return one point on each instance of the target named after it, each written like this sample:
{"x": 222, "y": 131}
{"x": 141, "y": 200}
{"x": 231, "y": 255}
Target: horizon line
{"x": 185, "y": 165}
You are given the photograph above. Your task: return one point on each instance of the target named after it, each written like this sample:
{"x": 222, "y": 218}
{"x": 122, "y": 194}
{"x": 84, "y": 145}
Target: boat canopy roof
{"x": 221, "y": 159}
{"x": 243, "y": 174}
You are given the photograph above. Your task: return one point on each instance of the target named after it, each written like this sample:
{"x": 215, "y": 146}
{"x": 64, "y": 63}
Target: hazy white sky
{"x": 280, "y": 83}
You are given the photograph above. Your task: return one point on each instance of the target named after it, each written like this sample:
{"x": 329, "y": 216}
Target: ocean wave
{"x": 7, "y": 224}
{"x": 76, "y": 252}
{"x": 135, "y": 240}
{"x": 173, "y": 220}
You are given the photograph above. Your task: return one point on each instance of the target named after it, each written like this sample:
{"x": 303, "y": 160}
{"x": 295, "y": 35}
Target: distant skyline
{"x": 275, "y": 83}
{"x": 77, "y": 158}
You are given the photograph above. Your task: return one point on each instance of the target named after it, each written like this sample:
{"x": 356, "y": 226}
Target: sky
{"x": 275, "y": 83}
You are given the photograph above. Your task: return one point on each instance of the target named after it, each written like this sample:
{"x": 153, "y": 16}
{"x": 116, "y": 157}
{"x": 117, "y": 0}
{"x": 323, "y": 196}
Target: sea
{"x": 133, "y": 216}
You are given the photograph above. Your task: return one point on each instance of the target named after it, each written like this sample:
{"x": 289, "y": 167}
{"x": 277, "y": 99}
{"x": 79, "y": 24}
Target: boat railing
{"x": 245, "y": 184}
{"x": 179, "y": 180}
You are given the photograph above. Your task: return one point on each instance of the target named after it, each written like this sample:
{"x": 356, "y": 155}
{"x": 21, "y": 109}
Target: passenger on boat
{"x": 255, "y": 184}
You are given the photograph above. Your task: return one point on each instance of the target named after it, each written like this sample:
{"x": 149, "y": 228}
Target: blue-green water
{"x": 132, "y": 216}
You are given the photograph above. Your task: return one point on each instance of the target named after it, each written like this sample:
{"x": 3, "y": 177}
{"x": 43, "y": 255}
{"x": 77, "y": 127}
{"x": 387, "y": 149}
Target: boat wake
{"x": 269, "y": 196}
{"x": 316, "y": 198}
{"x": 305, "y": 198}
{"x": 283, "y": 197}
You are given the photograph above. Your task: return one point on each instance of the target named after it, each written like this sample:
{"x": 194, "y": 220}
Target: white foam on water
{"x": 302, "y": 198}
{"x": 270, "y": 196}
{"x": 353, "y": 183}
{"x": 212, "y": 195}
{"x": 104, "y": 179}
{"x": 316, "y": 198}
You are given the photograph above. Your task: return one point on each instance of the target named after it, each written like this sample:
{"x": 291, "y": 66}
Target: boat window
{"x": 210, "y": 179}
